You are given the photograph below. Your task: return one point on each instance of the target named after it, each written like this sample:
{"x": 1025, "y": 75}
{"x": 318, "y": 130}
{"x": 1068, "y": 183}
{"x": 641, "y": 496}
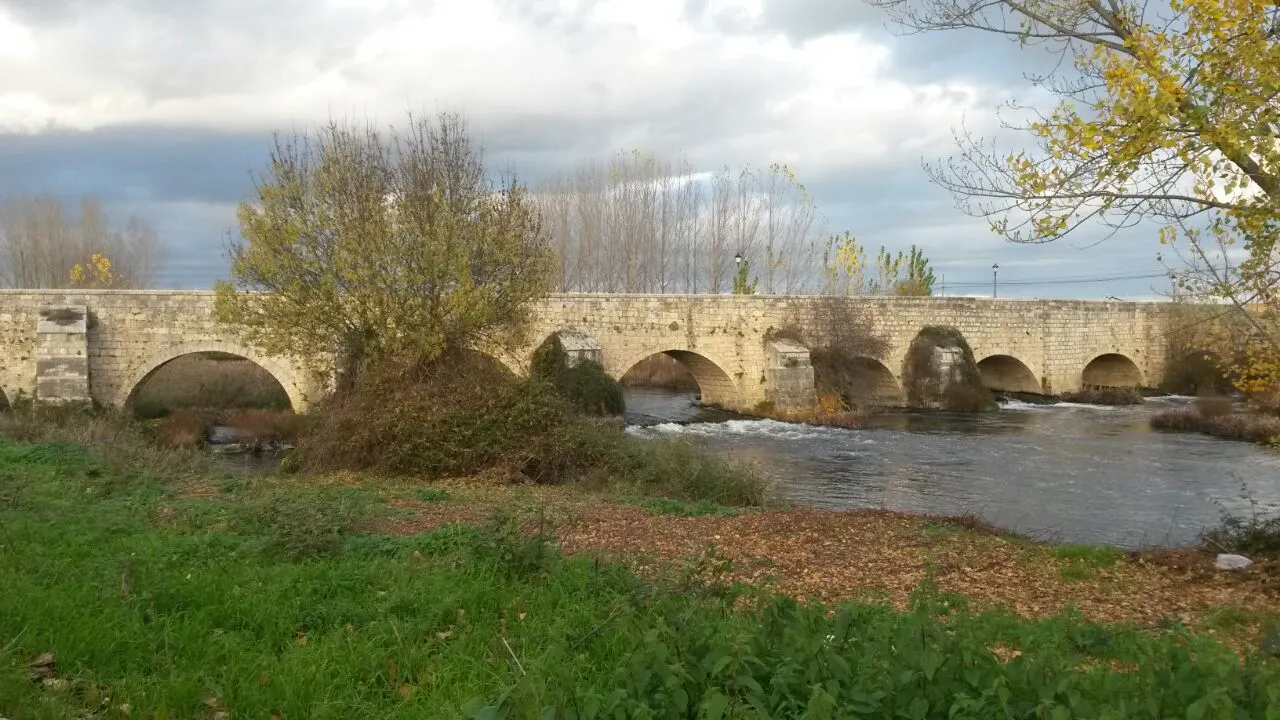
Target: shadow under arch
{"x": 715, "y": 385}
{"x": 860, "y": 378}
{"x": 1196, "y": 371}
{"x": 1111, "y": 370}
{"x": 280, "y": 371}
{"x": 1007, "y": 373}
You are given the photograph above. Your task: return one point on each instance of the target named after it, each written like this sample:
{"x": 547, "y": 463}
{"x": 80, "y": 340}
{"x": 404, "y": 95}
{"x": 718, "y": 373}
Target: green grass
{"x": 431, "y": 495}
{"x": 271, "y": 599}
{"x": 1093, "y": 556}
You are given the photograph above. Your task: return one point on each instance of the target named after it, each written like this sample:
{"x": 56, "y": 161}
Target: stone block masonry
{"x": 122, "y": 336}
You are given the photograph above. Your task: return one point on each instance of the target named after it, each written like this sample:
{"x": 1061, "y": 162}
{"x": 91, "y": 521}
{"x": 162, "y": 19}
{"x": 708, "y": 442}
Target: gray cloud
{"x": 718, "y": 108}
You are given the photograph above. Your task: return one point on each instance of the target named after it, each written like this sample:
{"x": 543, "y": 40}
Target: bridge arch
{"x": 714, "y": 382}
{"x": 1111, "y": 370}
{"x": 860, "y": 377}
{"x": 1007, "y": 373}
{"x": 281, "y": 371}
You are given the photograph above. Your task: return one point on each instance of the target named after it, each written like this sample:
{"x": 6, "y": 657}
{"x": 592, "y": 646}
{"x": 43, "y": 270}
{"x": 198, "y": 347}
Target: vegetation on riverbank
{"x": 1097, "y": 395}
{"x": 1218, "y": 416}
{"x": 136, "y": 592}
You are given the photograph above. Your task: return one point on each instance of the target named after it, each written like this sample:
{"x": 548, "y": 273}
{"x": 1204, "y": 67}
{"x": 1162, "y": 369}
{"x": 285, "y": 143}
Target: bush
{"x": 963, "y": 392}
{"x": 585, "y": 384}
{"x": 677, "y": 469}
{"x": 1253, "y": 535}
{"x": 457, "y": 415}
{"x": 190, "y": 427}
{"x": 429, "y": 421}
{"x": 1248, "y": 426}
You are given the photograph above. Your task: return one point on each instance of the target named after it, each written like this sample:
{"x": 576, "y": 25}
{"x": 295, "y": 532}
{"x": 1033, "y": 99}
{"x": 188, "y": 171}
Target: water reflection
{"x": 1076, "y": 473}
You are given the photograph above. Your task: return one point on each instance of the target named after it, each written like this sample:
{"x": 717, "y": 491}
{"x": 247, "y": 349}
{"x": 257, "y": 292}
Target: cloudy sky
{"x": 165, "y": 107}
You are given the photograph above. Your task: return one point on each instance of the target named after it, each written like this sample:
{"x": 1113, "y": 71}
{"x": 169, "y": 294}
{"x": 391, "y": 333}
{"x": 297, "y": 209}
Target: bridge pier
{"x": 788, "y": 378}
{"x": 62, "y": 355}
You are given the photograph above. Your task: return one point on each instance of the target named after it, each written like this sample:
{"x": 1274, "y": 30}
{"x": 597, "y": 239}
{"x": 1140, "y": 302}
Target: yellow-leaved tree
{"x": 95, "y": 273}
{"x": 1167, "y": 114}
{"x": 365, "y": 244}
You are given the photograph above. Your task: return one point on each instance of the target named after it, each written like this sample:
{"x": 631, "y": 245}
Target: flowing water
{"x": 1065, "y": 472}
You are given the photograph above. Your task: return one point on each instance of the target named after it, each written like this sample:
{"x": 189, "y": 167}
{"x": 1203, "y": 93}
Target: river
{"x": 1065, "y": 472}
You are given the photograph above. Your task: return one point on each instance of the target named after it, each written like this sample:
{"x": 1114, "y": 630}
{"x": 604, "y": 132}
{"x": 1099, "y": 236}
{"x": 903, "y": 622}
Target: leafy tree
{"x": 743, "y": 283}
{"x": 95, "y": 273}
{"x": 845, "y": 270}
{"x": 1167, "y": 114}
{"x": 370, "y": 245}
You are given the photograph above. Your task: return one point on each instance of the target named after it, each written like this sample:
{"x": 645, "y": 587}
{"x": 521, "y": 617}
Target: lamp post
{"x": 995, "y": 270}
{"x": 737, "y": 259}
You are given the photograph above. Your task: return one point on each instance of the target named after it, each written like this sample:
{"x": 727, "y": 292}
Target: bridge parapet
{"x": 723, "y": 339}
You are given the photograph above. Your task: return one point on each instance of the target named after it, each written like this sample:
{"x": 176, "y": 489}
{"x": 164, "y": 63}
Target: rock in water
{"x": 1233, "y": 562}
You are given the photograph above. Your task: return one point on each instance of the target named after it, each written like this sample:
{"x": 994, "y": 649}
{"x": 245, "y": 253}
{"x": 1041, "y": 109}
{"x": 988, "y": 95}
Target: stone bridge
{"x": 61, "y": 346}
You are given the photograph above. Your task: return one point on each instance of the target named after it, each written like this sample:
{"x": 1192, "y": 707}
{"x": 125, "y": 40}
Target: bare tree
{"x": 642, "y": 224}
{"x": 42, "y": 241}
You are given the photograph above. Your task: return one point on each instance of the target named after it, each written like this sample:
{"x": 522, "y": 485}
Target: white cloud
{"x": 629, "y": 71}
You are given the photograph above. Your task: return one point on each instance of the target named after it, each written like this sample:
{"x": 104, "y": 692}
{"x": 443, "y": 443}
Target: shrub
{"x": 1192, "y": 373}
{"x": 1248, "y": 426}
{"x": 457, "y": 415}
{"x": 585, "y": 384}
{"x": 185, "y": 428}
{"x": 1187, "y": 418}
{"x": 675, "y": 468}
{"x": 1254, "y": 535}
{"x": 962, "y": 392}
{"x": 844, "y": 349}
{"x": 429, "y": 421}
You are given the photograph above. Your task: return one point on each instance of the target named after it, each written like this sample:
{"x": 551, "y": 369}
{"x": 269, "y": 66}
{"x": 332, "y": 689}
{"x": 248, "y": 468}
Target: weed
{"x": 300, "y": 525}
{"x": 1256, "y": 534}
{"x": 1092, "y": 556}
{"x": 431, "y": 495}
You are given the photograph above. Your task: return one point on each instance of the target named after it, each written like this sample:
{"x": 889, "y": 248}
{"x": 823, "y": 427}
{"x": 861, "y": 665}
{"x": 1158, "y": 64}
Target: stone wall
{"x": 721, "y": 338}
{"x": 1052, "y": 340}
{"x": 128, "y": 334}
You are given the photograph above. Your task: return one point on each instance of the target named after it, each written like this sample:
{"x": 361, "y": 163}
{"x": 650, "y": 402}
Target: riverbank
{"x": 173, "y": 589}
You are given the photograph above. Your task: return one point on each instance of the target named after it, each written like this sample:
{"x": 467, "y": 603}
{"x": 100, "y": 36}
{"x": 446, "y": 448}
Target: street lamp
{"x": 737, "y": 259}
{"x": 995, "y": 270}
